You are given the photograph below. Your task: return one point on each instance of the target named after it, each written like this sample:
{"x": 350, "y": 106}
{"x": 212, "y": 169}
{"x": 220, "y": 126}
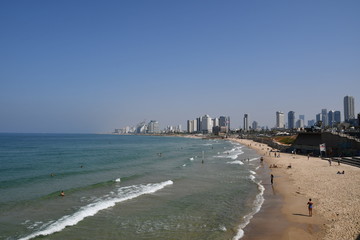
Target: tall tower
{"x": 349, "y": 108}
{"x": 337, "y": 117}
{"x": 331, "y": 118}
{"x": 246, "y": 122}
{"x": 291, "y": 120}
{"x": 324, "y": 117}
{"x": 280, "y": 120}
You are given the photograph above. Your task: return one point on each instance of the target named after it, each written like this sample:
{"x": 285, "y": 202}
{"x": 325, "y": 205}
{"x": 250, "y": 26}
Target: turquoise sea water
{"x": 125, "y": 187}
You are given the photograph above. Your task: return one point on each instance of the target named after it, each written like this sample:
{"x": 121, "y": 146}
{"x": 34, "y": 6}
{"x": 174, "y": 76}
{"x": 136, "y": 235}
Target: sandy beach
{"x": 284, "y": 214}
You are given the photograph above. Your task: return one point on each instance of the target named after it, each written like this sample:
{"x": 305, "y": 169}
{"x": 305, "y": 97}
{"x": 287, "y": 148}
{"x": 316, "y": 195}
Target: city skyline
{"x": 90, "y": 67}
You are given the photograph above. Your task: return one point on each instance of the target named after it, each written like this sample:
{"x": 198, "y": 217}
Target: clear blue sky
{"x": 92, "y": 66}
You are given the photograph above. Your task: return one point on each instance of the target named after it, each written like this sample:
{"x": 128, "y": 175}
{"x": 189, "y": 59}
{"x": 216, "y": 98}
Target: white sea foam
{"x": 252, "y": 172}
{"x": 233, "y": 153}
{"x": 253, "y": 159}
{"x": 222, "y": 228}
{"x": 191, "y": 159}
{"x": 258, "y": 202}
{"x": 123, "y": 194}
{"x": 118, "y": 180}
{"x": 236, "y": 162}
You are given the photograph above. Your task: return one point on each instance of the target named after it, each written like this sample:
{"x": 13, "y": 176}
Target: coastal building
{"x": 324, "y": 117}
{"x": 192, "y": 126}
{"x": 153, "y": 127}
{"x": 337, "y": 117}
{"x": 331, "y": 118}
{"x": 291, "y": 119}
{"x": 206, "y": 124}
{"x": 318, "y": 117}
{"x": 349, "y": 108}
{"x": 311, "y": 123}
{"x": 198, "y": 124}
{"x": 246, "y": 122}
{"x": 216, "y": 122}
{"x": 255, "y": 125}
{"x": 224, "y": 123}
{"x": 300, "y": 123}
{"x": 280, "y": 120}
{"x": 302, "y": 116}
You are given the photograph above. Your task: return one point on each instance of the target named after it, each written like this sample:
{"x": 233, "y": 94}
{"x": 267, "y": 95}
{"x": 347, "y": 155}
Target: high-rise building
{"x": 206, "y": 124}
{"x": 349, "y": 108}
{"x": 291, "y": 119}
{"x": 280, "y": 120}
{"x": 246, "y": 123}
{"x": 318, "y": 117}
{"x": 224, "y": 123}
{"x": 255, "y": 125}
{"x": 153, "y": 127}
{"x": 324, "y": 117}
{"x": 331, "y": 118}
{"x": 216, "y": 122}
{"x": 198, "y": 124}
{"x": 192, "y": 126}
{"x": 337, "y": 117}
{"x": 311, "y": 123}
{"x": 300, "y": 123}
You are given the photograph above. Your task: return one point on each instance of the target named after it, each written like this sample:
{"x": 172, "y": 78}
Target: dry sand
{"x": 336, "y": 197}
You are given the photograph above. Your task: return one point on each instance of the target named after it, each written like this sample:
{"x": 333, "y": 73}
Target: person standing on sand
{"x": 310, "y": 207}
{"x": 272, "y": 179}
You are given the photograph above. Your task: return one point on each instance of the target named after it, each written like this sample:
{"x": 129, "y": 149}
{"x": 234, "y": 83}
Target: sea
{"x": 126, "y": 187}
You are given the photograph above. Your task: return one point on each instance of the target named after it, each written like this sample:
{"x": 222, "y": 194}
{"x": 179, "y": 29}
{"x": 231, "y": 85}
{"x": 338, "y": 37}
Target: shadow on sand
{"x": 300, "y": 214}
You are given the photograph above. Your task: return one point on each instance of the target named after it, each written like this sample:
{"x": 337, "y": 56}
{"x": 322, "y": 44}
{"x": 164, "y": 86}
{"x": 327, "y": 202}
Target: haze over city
{"x": 92, "y": 66}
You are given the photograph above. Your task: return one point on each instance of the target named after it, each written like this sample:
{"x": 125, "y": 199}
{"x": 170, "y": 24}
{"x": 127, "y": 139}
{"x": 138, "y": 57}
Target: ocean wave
{"x": 123, "y": 194}
{"x": 258, "y": 202}
{"x": 236, "y": 162}
{"x": 233, "y": 153}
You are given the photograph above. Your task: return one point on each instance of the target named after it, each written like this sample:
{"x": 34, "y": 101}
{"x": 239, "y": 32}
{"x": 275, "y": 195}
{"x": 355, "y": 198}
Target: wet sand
{"x": 284, "y": 214}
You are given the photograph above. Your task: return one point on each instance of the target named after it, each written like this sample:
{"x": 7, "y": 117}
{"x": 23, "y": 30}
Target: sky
{"x": 92, "y": 66}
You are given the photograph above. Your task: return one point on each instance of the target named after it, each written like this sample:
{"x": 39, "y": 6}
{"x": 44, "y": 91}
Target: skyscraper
{"x": 280, "y": 120}
{"x": 349, "y": 108}
{"x": 331, "y": 118}
{"x": 246, "y": 122}
{"x": 337, "y": 117}
{"x": 224, "y": 123}
{"x": 255, "y": 125}
{"x": 206, "y": 124}
{"x": 291, "y": 120}
{"x": 324, "y": 117}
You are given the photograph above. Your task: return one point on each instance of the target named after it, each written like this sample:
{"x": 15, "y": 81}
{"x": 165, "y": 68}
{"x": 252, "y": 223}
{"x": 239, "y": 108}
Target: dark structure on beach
{"x": 337, "y": 145}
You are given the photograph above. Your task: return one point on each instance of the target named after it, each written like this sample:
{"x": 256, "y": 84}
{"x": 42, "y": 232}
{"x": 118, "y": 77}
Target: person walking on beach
{"x": 272, "y": 179}
{"x": 310, "y": 207}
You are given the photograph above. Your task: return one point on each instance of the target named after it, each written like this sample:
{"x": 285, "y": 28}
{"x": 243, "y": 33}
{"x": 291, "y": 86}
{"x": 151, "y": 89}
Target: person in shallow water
{"x": 62, "y": 194}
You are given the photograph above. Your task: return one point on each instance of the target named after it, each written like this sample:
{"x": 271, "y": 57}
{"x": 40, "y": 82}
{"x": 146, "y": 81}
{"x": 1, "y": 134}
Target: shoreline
{"x": 284, "y": 214}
